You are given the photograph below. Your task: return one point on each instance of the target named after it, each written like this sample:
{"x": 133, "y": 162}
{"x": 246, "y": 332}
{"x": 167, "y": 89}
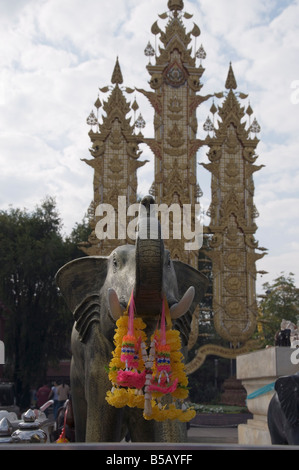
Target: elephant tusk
{"x": 179, "y": 309}
{"x": 114, "y": 305}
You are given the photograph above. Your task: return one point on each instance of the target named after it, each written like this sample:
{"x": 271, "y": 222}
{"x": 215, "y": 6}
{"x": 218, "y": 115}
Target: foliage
{"x": 218, "y": 409}
{"x": 80, "y": 233}
{"x": 280, "y": 301}
{"x": 205, "y": 383}
{"x": 37, "y": 321}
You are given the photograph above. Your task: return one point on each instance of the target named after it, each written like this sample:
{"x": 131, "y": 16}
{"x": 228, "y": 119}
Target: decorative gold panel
{"x": 175, "y": 80}
{"x": 115, "y": 159}
{"x": 232, "y": 213}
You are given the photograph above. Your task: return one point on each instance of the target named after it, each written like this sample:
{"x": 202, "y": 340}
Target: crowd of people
{"x": 58, "y": 392}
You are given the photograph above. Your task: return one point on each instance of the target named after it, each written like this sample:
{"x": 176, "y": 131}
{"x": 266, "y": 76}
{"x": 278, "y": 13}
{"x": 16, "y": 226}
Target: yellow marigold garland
{"x": 147, "y": 398}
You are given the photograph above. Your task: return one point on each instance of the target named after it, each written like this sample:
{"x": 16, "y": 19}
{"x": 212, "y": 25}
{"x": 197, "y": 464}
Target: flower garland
{"x": 142, "y": 379}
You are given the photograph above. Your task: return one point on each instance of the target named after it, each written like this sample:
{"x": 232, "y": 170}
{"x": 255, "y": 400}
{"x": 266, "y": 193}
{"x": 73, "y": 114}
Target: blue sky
{"x": 55, "y": 54}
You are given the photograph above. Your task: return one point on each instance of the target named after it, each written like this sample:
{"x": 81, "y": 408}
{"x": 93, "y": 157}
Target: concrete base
{"x": 256, "y": 370}
{"x": 255, "y": 432}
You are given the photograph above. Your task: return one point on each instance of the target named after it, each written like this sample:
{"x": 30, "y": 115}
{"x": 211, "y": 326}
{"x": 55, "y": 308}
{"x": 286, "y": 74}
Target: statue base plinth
{"x": 256, "y": 370}
{"x": 234, "y": 393}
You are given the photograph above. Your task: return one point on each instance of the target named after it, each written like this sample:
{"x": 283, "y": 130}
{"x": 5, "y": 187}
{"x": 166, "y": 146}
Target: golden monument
{"x": 115, "y": 160}
{"x": 232, "y": 247}
{"x": 175, "y": 84}
{"x": 232, "y": 214}
{"x": 175, "y": 81}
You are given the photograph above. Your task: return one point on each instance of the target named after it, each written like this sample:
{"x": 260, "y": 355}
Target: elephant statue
{"x": 97, "y": 290}
{"x": 283, "y": 411}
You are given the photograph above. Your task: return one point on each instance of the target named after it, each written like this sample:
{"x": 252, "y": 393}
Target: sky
{"x": 56, "y": 54}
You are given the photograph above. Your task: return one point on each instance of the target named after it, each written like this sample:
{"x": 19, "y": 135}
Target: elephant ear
{"x": 186, "y": 277}
{"x": 287, "y": 389}
{"x": 80, "y": 282}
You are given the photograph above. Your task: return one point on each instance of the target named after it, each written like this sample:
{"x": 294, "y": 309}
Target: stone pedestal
{"x": 234, "y": 393}
{"x": 256, "y": 370}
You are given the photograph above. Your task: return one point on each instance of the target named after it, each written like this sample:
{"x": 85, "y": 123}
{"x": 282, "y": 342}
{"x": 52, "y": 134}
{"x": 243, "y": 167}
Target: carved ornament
{"x": 234, "y": 283}
{"x": 175, "y": 75}
{"x": 175, "y": 136}
{"x": 215, "y": 350}
{"x": 154, "y": 99}
{"x": 234, "y": 259}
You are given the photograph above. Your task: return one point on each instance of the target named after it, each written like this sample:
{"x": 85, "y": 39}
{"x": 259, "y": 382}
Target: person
{"x": 63, "y": 391}
{"x": 42, "y": 395}
{"x": 53, "y": 396}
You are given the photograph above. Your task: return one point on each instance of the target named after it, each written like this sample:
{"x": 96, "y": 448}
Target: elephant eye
{"x": 114, "y": 263}
{"x": 168, "y": 260}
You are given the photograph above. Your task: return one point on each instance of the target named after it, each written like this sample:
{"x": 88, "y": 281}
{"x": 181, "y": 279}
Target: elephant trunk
{"x": 149, "y": 265}
{"x": 148, "y": 291}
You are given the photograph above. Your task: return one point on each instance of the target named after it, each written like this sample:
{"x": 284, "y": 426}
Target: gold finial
{"x": 230, "y": 83}
{"x": 117, "y": 77}
{"x": 175, "y": 5}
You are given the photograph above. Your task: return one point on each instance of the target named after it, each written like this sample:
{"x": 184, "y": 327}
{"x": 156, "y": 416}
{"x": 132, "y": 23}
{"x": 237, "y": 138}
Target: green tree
{"x": 280, "y": 301}
{"x": 37, "y": 321}
{"x": 79, "y": 234}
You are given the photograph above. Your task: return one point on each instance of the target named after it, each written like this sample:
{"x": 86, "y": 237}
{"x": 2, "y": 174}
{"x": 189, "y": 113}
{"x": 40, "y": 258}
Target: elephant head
{"x": 97, "y": 289}
{"x": 283, "y": 411}
{"x": 287, "y": 389}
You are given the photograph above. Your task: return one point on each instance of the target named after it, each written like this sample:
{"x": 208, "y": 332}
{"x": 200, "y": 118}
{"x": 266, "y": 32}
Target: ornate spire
{"x": 230, "y": 83}
{"x": 115, "y": 158}
{"x": 232, "y": 215}
{"x": 175, "y": 37}
{"x": 175, "y": 5}
{"x": 117, "y": 77}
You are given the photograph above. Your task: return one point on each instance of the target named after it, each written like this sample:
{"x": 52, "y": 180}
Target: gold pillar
{"x": 175, "y": 81}
{"x": 232, "y": 217}
{"x": 115, "y": 161}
